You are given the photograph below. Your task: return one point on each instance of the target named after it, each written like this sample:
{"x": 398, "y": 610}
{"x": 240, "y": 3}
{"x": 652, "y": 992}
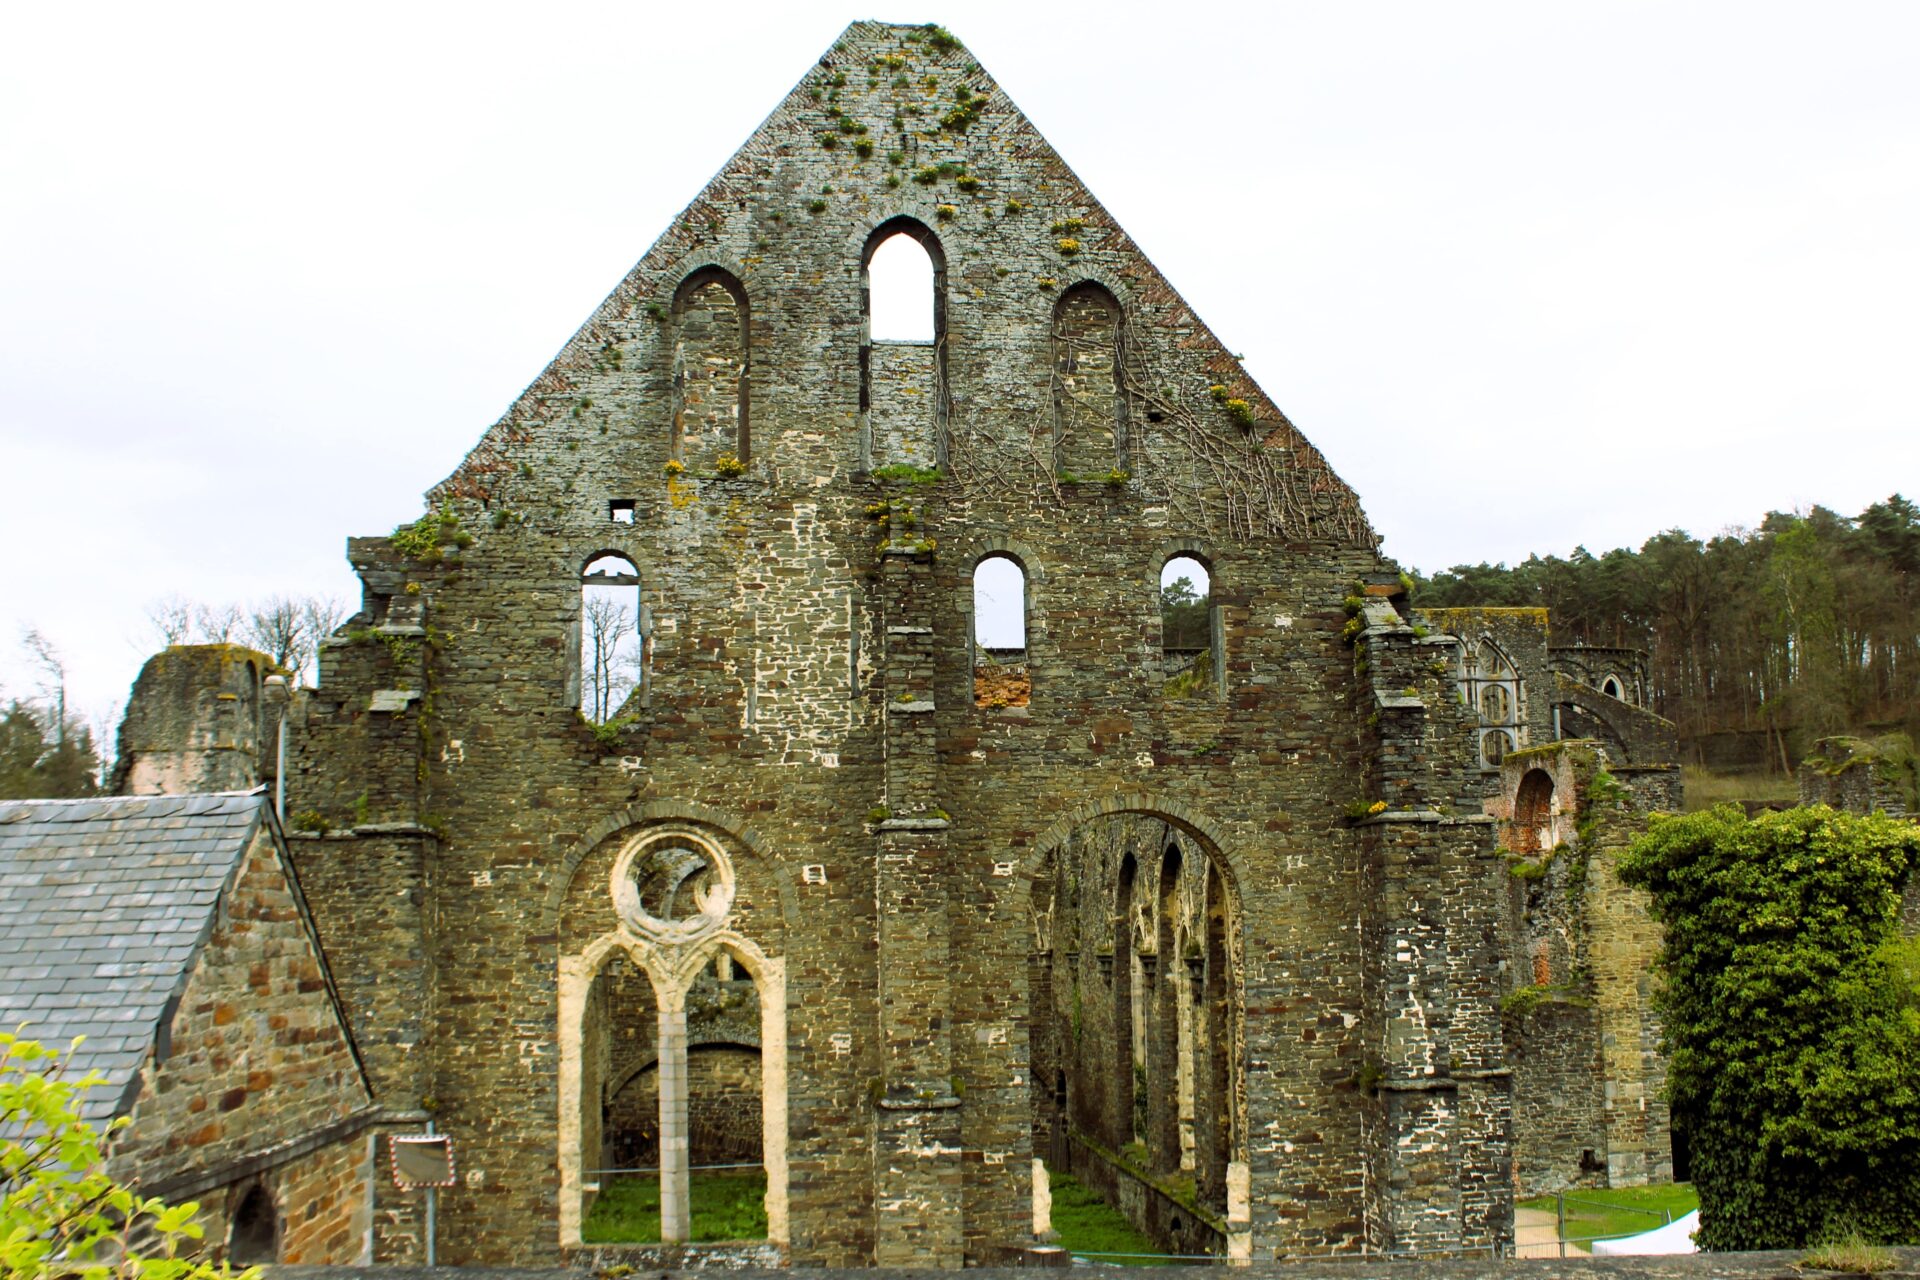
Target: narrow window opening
{"x": 255, "y": 1237}
{"x": 903, "y": 382}
{"x": 900, "y": 291}
{"x": 1002, "y": 676}
{"x": 710, "y": 377}
{"x": 1189, "y": 654}
{"x": 614, "y": 644}
{"x": 620, "y": 510}
{"x": 1610, "y": 687}
{"x": 1088, "y": 408}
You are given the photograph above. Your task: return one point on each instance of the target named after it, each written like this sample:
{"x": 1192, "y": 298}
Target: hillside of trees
{"x": 1805, "y": 626}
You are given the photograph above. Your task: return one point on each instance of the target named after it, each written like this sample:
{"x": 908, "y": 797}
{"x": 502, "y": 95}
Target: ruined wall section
{"x": 810, "y": 697}
{"x": 892, "y": 124}
{"x": 1634, "y": 735}
{"x": 1520, "y": 635}
{"x": 1580, "y": 948}
{"x": 1858, "y": 776}
{"x": 197, "y": 720}
{"x": 1594, "y": 665}
{"x": 1438, "y": 1126}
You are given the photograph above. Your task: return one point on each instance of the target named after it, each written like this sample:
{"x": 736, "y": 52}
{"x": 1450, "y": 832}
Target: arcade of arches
{"x": 1136, "y": 1016}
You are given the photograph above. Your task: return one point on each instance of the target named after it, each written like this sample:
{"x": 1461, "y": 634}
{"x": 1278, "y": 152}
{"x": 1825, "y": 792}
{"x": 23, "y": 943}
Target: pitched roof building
{"x": 167, "y": 935}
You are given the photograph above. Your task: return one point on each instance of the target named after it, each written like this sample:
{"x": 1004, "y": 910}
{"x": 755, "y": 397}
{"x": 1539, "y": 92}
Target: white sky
{"x": 1532, "y": 275}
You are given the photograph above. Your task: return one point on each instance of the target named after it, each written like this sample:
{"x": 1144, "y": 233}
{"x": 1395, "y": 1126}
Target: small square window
{"x": 620, "y": 510}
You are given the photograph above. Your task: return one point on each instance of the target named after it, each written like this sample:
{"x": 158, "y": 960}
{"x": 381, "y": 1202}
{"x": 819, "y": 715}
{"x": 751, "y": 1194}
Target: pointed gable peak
{"x": 898, "y": 127}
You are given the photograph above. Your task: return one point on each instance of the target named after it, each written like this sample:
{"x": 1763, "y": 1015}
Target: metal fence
{"x": 1557, "y": 1247}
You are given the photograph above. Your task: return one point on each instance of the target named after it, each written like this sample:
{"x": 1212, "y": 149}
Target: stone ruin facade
{"x": 1219, "y": 921}
{"x": 1572, "y": 763}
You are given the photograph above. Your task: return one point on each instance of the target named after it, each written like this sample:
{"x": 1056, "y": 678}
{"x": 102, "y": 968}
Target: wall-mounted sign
{"x": 422, "y": 1160}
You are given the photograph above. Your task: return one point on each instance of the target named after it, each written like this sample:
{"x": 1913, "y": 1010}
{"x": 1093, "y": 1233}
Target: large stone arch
{"x": 670, "y": 975}
{"x": 1097, "y": 965}
{"x": 1146, "y": 804}
{"x": 671, "y": 958}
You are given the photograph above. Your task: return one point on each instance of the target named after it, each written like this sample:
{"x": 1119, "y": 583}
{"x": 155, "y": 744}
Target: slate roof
{"x": 104, "y": 904}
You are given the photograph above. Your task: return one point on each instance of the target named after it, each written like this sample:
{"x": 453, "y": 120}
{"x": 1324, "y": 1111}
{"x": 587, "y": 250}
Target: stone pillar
{"x": 918, "y": 1186}
{"x": 675, "y": 1189}
{"x": 1439, "y": 1144}
{"x": 917, "y": 1174}
{"x": 1239, "y": 1213}
{"x": 1623, "y": 942}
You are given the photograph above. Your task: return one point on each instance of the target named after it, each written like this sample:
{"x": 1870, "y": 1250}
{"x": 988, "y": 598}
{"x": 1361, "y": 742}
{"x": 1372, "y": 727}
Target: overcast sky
{"x": 1533, "y": 275}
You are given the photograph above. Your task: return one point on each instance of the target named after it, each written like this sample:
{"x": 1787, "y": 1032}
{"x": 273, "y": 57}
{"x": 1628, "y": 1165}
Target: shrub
{"x": 60, "y": 1214}
{"x": 1791, "y": 1016}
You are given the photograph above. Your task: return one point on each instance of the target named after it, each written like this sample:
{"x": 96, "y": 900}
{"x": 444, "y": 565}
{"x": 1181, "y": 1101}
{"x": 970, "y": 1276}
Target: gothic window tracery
{"x": 1491, "y": 685}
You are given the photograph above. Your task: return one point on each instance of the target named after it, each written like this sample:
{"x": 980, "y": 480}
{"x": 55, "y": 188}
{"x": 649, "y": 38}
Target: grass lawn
{"x": 1610, "y": 1213}
{"x": 728, "y": 1204}
{"x": 1087, "y": 1224}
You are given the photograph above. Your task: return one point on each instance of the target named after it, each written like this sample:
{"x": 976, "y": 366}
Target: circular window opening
{"x": 1496, "y": 704}
{"x": 673, "y": 884}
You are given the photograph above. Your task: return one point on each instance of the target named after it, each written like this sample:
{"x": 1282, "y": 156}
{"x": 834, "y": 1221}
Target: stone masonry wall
{"x": 1582, "y": 1038}
{"x": 196, "y": 721}
{"x": 1437, "y": 1137}
{"x": 1633, "y": 734}
{"x": 723, "y": 1114}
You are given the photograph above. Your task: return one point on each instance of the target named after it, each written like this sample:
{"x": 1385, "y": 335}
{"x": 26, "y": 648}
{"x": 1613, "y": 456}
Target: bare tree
{"x": 287, "y": 629}
{"x": 277, "y": 627}
{"x": 607, "y": 667}
{"x": 53, "y": 676}
{"x": 170, "y": 620}
{"x": 218, "y": 623}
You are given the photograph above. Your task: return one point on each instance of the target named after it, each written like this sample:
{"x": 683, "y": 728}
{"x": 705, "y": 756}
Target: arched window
{"x": 1532, "y": 824}
{"x": 1089, "y": 436}
{"x": 1189, "y": 640}
{"x": 1491, "y": 686}
{"x": 709, "y": 370}
{"x": 1127, "y": 1115}
{"x": 1611, "y": 687}
{"x": 900, "y": 289}
{"x": 1002, "y": 676}
{"x": 903, "y": 362}
{"x": 614, "y": 635}
{"x": 255, "y": 1235}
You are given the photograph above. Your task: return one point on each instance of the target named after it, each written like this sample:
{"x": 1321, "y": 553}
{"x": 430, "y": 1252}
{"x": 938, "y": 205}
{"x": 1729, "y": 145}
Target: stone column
{"x": 917, "y": 1174}
{"x": 1439, "y": 1154}
{"x": 917, "y": 1170}
{"x": 670, "y": 1045}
